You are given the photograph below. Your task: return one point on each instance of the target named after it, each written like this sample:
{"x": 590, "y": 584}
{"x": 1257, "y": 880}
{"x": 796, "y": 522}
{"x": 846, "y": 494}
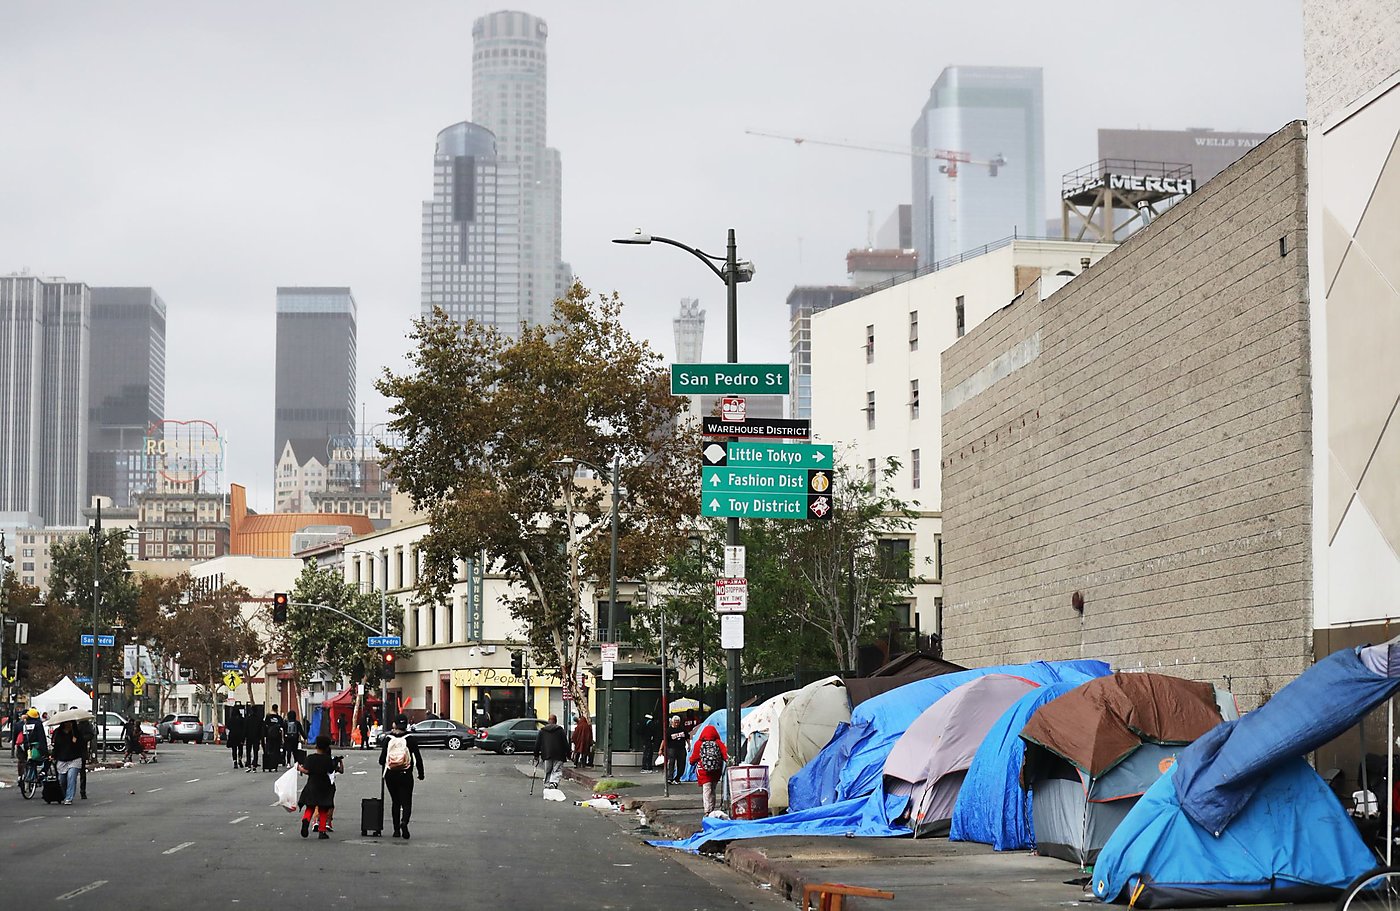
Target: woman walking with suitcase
{"x": 398, "y": 757}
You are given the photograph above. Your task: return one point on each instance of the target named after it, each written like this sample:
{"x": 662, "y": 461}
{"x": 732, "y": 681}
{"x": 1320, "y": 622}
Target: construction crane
{"x": 951, "y": 159}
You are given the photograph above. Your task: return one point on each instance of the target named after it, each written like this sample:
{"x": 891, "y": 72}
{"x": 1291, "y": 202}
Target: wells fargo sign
{"x": 184, "y": 451}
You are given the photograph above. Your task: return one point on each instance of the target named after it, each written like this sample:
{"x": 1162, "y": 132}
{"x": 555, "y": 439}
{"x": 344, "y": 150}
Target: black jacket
{"x": 67, "y": 745}
{"x": 552, "y": 744}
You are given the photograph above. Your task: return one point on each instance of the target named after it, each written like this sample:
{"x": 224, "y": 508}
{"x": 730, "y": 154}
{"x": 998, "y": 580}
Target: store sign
{"x": 1137, "y": 183}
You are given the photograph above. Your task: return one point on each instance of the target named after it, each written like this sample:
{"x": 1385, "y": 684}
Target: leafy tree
{"x": 482, "y": 418}
{"x": 322, "y": 639}
{"x": 54, "y": 629}
{"x": 68, "y": 609}
{"x": 202, "y": 628}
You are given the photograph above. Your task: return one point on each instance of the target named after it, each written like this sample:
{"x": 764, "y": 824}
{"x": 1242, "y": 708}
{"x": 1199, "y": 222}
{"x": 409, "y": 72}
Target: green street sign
{"x": 766, "y": 505}
{"x": 757, "y": 454}
{"x": 730, "y": 379}
{"x": 765, "y": 480}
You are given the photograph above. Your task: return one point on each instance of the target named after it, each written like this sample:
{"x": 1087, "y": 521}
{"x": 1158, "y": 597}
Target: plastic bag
{"x": 286, "y": 790}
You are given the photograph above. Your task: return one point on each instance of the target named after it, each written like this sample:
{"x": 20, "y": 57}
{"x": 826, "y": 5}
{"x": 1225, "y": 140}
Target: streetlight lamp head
{"x": 637, "y": 238}
{"x": 743, "y": 270}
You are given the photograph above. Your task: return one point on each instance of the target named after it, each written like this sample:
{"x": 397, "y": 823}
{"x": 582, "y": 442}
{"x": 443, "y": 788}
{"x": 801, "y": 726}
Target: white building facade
{"x": 875, "y": 381}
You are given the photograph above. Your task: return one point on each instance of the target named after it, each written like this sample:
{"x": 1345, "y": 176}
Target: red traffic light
{"x": 388, "y": 657}
{"x": 280, "y": 601}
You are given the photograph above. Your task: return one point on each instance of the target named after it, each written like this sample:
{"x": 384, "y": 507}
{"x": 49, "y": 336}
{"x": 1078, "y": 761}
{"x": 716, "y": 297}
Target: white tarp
{"x": 60, "y": 696}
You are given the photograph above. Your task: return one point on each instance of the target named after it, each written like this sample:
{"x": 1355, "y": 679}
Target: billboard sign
{"x": 184, "y": 451}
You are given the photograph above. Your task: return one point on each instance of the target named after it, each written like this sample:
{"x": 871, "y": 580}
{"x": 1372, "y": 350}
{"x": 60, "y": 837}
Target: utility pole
{"x": 731, "y": 529}
{"x": 96, "y": 533}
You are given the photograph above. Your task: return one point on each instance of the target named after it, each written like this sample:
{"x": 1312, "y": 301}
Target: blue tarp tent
{"x": 850, "y": 765}
{"x": 992, "y": 807}
{"x": 1292, "y": 842}
{"x": 1220, "y": 771}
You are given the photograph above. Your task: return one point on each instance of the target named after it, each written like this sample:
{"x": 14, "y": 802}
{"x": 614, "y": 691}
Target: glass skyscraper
{"x": 976, "y": 116}
{"x": 126, "y": 390}
{"x": 44, "y": 338}
{"x": 315, "y": 396}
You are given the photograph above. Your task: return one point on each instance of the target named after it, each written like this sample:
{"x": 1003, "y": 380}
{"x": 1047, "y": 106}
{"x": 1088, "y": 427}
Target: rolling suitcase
{"x": 372, "y": 817}
{"x": 53, "y": 790}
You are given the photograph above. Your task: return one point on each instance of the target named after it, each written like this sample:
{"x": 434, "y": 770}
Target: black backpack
{"x": 710, "y": 759}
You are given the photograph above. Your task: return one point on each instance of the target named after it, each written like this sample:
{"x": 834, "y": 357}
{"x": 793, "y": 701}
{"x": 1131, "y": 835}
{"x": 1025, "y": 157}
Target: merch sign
{"x": 1138, "y": 183}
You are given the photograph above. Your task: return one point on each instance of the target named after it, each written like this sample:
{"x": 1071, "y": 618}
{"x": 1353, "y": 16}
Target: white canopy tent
{"x": 61, "y": 695}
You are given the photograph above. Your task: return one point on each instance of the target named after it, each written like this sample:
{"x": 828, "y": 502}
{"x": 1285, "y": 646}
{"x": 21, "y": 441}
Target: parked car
{"x": 437, "y": 732}
{"x": 109, "y": 730}
{"x": 516, "y": 735}
{"x": 181, "y": 727}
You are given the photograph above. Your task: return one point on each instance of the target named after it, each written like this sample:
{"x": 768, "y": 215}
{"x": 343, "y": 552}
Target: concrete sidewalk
{"x": 922, "y": 873}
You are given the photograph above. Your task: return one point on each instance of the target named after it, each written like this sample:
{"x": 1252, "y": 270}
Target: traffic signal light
{"x": 280, "y": 600}
{"x": 22, "y": 664}
{"x": 389, "y": 669}
{"x": 517, "y": 664}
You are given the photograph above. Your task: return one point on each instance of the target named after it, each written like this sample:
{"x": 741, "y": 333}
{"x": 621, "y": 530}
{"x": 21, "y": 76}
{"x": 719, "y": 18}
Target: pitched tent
{"x": 1292, "y": 842}
{"x": 761, "y": 727}
{"x": 992, "y": 807}
{"x": 1242, "y": 818}
{"x": 851, "y": 765}
{"x": 928, "y": 763}
{"x": 805, "y": 726}
{"x": 60, "y": 696}
{"x": 1092, "y": 753}
{"x": 896, "y": 672}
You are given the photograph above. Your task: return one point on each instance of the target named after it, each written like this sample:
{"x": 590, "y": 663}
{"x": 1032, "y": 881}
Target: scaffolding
{"x": 1113, "y": 197}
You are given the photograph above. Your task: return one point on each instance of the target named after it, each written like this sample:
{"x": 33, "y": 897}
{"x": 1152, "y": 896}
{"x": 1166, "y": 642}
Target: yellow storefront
{"x": 489, "y": 695}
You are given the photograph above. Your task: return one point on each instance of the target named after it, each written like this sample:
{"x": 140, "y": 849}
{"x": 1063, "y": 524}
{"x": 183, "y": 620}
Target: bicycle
{"x": 1377, "y": 889}
{"x": 35, "y": 774}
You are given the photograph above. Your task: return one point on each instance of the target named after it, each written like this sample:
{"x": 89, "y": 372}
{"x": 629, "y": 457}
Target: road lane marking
{"x": 81, "y": 890}
{"x": 153, "y": 790}
{"x": 29, "y": 819}
{"x": 234, "y": 822}
{"x": 192, "y": 781}
{"x": 180, "y": 847}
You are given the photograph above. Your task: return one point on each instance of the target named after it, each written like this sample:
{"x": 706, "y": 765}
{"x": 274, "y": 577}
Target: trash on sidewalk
{"x": 598, "y": 803}
{"x": 553, "y": 794}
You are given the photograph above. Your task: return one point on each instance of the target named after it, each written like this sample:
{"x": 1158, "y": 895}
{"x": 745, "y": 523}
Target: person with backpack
{"x": 708, "y": 756}
{"x": 272, "y": 741}
{"x": 289, "y": 743}
{"x": 552, "y": 745}
{"x": 398, "y": 756}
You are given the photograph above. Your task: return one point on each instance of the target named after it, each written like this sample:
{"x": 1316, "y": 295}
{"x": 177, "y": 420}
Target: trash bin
{"x": 748, "y": 792}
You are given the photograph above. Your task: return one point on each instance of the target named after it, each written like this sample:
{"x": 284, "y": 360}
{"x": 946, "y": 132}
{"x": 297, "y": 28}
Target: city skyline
{"x": 649, "y": 145}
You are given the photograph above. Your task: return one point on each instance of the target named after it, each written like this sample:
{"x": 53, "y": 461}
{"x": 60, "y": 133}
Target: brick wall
{"x": 1142, "y": 437}
{"x": 1350, "y": 47}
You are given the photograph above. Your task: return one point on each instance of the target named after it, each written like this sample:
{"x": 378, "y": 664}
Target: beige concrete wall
{"x": 1142, "y": 437}
{"x": 1350, "y": 47}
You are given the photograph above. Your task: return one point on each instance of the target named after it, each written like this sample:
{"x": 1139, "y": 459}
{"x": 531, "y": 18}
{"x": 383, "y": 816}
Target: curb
{"x": 784, "y": 879}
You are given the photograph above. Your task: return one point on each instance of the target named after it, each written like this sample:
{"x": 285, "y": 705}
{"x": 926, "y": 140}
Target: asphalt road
{"x": 190, "y": 830}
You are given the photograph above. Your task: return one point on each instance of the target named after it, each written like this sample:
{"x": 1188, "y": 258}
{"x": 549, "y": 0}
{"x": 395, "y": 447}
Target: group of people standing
{"x": 278, "y": 739}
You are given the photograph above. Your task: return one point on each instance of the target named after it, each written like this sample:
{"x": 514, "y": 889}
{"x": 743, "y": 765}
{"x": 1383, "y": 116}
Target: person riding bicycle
{"x": 33, "y": 742}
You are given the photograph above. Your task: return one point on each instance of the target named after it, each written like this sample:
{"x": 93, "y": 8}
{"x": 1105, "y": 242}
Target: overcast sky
{"x": 217, "y": 150}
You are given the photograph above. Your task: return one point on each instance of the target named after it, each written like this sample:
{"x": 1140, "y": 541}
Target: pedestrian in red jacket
{"x": 708, "y": 756}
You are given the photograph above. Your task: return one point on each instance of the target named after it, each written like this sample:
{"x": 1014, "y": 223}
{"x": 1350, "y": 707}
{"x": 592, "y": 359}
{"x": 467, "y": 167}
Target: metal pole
{"x": 612, "y": 618}
{"x": 96, "y": 602}
{"x": 384, "y": 631}
{"x": 1389, "y": 779}
{"x": 665, "y": 698}
{"x": 731, "y": 536}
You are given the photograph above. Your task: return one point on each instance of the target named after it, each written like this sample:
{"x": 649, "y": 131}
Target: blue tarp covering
{"x": 862, "y": 816}
{"x": 992, "y": 808}
{"x": 855, "y": 758}
{"x": 1219, "y": 772}
{"x": 1292, "y": 833}
{"x": 720, "y": 719}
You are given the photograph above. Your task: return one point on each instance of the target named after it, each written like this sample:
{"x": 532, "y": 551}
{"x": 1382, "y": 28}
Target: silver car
{"x": 181, "y": 727}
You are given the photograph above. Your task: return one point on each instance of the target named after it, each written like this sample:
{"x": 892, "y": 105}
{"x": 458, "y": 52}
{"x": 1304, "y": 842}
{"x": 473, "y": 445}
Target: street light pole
{"x": 731, "y": 273}
{"x": 612, "y": 618}
{"x": 96, "y": 603}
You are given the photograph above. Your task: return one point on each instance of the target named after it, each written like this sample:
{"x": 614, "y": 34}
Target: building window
{"x": 914, "y": 469}
{"x": 937, "y": 557}
{"x": 870, "y": 344}
{"x": 961, "y": 317}
{"x": 913, "y": 398}
{"x": 871, "y": 471}
{"x": 913, "y": 330}
{"x": 870, "y": 410}
{"x": 894, "y": 558}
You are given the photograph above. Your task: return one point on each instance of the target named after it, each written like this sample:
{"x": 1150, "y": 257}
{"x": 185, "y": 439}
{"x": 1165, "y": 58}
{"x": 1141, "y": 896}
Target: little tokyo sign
{"x": 711, "y": 379}
{"x": 744, "y": 454}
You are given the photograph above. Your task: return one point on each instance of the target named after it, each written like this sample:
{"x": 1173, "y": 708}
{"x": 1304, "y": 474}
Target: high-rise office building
{"x": 126, "y": 390}
{"x": 509, "y": 99}
{"x": 803, "y": 301}
{"x": 1208, "y": 152}
{"x": 315, "y": 397}
{"x": 979, "y": 167}
{"x": 689, "y": 326}
{"x": 44, "y": 338}
{"x": 471, "y": 231}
